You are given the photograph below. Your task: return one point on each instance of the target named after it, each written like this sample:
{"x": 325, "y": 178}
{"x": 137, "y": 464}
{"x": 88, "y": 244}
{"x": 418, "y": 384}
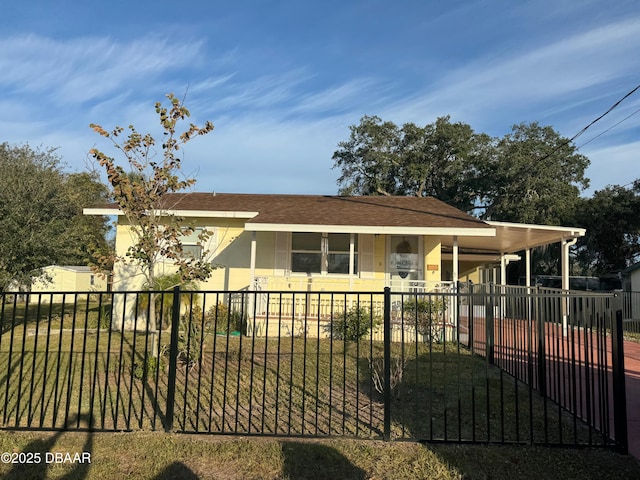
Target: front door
{"x": 404, "y": 265}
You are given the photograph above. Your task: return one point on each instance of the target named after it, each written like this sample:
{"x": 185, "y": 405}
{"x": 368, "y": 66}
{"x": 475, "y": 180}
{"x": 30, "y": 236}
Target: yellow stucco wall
{"x": 432, "y": 248}
{"x": 230, "y": 252}
{"x": 379, "y": 256}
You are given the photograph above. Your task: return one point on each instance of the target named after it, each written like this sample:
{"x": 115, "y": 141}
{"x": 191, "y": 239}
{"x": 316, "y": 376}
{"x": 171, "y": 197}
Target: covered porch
{"x": 326, "y": 258}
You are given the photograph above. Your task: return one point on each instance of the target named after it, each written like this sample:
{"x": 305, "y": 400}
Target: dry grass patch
{"x": 142, "y": 455}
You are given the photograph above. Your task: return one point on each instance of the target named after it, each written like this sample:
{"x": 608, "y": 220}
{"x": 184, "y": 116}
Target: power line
{"x": 605, "y": 113}
{"x": 612, "y": 126}
{"x": 567, "y": 142}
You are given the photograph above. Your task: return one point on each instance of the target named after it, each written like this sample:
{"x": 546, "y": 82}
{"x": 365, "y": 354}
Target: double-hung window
{"x": 323, "y": 253}
{"x": 192, "y": 245}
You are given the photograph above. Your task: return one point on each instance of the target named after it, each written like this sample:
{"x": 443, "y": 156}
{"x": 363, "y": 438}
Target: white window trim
{"x": 323, "y": 250}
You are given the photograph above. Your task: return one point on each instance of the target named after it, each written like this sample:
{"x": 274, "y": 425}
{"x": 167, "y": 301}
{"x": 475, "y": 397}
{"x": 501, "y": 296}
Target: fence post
{"x": 619, "y": 387}
{"x": 489, "y": 324}
{"x": 387, "y": 363}
{"x": 173, "y": 359}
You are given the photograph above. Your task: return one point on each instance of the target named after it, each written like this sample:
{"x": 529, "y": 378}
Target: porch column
{"x": 564, "y": 257}
{"x": 352, "y": 258}
{"x": 456, "y": 274}
{"x": 527, "y": 282}
{"x": 566, "y": 244}
{"x": 503, "y": 269}
{"x": 456, "y": 268}
{"x": 252, "y": 268}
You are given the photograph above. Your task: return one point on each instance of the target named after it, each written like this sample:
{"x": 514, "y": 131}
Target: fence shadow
{"x": 39, "y": 469}
{"x": 314, "y": 461}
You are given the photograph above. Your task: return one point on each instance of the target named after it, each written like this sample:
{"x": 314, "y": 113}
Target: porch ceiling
{"x": 515, "y": 237}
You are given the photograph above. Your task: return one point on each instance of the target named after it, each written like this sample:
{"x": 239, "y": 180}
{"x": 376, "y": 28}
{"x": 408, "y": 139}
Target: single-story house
{"x": 68, "y": 278}
{"x": 322, "y": 242}
{"x": 631, "y": 278}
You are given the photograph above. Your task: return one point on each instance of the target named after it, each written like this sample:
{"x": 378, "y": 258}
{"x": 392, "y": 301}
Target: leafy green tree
{"x": 41, "y": 220}
{"x": 370, "y": 161}
{"x": 531, "y": 175}
{"x": 164, "y": 303}
{"x": 442, "y": 159}
{"x": 144, "y": 191}
{"x": 536, "y": 176}
{"x": 612, "y": 241}
{"x": 447, "y": 161}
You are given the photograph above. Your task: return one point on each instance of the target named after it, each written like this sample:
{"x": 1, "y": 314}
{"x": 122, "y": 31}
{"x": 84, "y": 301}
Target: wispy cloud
{"x": 614, "y": 165}
{"x": 530, "y": 79}
{"x": 83, "y": 69}
{"x": 281, "y": 103}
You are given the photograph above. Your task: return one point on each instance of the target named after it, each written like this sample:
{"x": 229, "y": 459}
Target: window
{"x": 338, "y": 253}
{"x": 191, "y": 245}
{"x": 306, "y": 252}
{"x": 323, "y": 253}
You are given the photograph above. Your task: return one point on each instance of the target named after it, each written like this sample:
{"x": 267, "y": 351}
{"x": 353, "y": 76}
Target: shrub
{"x": 376, "y": 366}
{"x": 144, "y": 370}
{"x": 219, "y": 320}
{"x": 428, "y": 315}
{"x": 191, "y": 339}
{"x": 353, "y": 324}
{"x": 104, "y": 320}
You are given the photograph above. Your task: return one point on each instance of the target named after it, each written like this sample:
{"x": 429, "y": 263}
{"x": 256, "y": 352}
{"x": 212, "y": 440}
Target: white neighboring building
{"x": 631, "y": 278}
{"x": 68, "y": 278}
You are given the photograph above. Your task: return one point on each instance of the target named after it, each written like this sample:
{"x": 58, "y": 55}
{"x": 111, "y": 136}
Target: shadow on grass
{"x": 448, "y": 394}
{"x": 310, "y": 460}
{"x": 43, "y": 455}
{"x": 176, "y": 470}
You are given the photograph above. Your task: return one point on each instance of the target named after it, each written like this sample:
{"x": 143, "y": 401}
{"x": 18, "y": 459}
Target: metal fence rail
{"x": 560, "y": 345}
{"x": 480, "y": 364}
{"x": 630, "y": 311}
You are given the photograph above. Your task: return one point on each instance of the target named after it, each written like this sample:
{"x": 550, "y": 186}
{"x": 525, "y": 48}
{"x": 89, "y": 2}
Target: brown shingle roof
{"x": 331, "y": 210}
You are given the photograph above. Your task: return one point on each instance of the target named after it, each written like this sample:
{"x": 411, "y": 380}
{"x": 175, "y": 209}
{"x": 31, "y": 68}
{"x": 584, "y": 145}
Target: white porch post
{"x": 352, "y": 258}
{"x": 503, "y": 282}
{"x": 456, "y": 273}
{"x": 566, "y": 245}
{"x": 456, "y": 268}
{"x": 564, "y": 257}
{"x": 252, "y": 268}
{"x": 252, "y": 285}
{"x": 527, "y": 283}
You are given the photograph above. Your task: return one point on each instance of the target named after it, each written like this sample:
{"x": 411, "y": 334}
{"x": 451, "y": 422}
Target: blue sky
{"x": 283, "y": 80}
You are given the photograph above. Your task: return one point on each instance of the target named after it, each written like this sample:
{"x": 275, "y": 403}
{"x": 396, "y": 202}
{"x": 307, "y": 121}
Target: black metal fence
{"x": 630, "y": 311}
{"x": 483, "y": 364}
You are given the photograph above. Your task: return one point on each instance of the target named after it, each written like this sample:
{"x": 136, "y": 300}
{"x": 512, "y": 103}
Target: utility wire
{"x": 612, "y": 126}
{"x": 568, "y": 141}
{"x": 605, "y": 113}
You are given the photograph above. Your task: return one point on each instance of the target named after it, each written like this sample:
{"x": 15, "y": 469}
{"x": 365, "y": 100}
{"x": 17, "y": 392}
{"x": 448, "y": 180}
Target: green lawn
{"x": 248, "y": 385}
{"x": 54, "y": 371}
{"x": 144, "y": 455}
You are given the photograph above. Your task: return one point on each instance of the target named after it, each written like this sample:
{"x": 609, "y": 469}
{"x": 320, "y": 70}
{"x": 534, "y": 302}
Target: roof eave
{"x": 178, "y": 213}
{"x": 371, "y": 229}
